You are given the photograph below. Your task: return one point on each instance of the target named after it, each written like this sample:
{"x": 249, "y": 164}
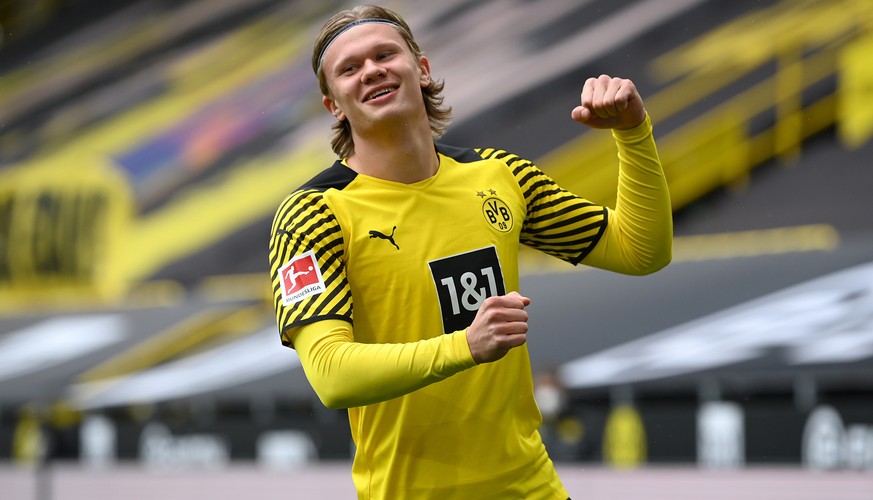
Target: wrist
{"x": 631, "y": 134}
{"x": 463, "y": 349}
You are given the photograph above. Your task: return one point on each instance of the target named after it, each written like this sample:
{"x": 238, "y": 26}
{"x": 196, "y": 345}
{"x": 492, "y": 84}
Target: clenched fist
{"x": 607, "y": 102}
{"x": 499, "y": 325}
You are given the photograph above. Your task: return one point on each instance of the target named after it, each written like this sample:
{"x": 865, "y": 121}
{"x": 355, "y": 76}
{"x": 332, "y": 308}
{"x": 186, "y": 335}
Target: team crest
{"x": 300, "y": 278}
{"x": 496, "y": 212}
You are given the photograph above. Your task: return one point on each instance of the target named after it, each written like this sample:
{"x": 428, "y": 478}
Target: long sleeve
{"x": 345, "y": 373}
{"x": 639, "y": 235}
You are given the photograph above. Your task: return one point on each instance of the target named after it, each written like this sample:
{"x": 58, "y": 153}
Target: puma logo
{"x": 389, "y": 238}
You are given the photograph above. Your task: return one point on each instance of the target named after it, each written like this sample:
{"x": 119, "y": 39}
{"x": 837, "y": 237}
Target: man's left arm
{"x": 638, "y": 238}
{"x": 639, "y": 233}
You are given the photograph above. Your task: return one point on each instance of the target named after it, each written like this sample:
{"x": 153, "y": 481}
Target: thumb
{"x": 524, "y": 300}
{"x": 580, "y": 114}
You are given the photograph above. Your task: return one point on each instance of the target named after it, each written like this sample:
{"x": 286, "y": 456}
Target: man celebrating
{"x": 413, "y": 318}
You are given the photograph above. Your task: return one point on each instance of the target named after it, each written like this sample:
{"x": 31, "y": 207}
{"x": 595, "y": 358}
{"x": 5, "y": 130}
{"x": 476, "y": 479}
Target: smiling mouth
{"x": 380, "y": 93}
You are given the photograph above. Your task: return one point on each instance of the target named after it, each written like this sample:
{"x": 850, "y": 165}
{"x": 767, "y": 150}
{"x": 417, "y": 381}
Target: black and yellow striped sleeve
{"x": 304, "y": 223}
{"x": 557, "y": 222}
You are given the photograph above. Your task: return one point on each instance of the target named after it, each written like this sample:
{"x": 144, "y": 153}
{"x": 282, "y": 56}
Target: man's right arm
{"x": 318, "y": 324}
{"x": 345, "y": 373}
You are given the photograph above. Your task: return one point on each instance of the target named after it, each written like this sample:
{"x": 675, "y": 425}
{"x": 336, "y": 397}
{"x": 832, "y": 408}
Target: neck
{"x": 405, "y": 154}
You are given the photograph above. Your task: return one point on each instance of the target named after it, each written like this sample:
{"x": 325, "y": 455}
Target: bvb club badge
{"x": 496, "y": 212}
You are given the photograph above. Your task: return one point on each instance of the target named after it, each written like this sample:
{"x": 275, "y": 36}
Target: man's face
{"x": 373, "y": 76}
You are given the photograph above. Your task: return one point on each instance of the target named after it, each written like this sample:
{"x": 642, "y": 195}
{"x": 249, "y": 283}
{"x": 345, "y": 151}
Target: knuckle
{"x": 485, "y": 312}
{"x": 494, "y": 315}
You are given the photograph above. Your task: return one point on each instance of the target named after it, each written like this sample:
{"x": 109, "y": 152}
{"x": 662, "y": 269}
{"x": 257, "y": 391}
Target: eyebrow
{"x": 378, "y": 46}
{"x": 348, "y": 27}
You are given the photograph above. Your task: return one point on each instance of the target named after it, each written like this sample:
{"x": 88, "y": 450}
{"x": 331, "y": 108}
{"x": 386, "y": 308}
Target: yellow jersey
{"x": 402, "y": 269}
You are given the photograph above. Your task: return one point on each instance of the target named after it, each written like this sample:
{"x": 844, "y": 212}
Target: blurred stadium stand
{"x": 145, "y": 144}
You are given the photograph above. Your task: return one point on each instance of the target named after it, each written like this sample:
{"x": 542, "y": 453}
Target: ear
{"x": 331, "y": 106}
{"x": 424, "y": 71}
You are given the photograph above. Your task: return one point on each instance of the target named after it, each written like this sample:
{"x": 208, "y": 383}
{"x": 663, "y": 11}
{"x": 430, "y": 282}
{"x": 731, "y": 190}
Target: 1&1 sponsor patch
{"x": 463, "y": 282}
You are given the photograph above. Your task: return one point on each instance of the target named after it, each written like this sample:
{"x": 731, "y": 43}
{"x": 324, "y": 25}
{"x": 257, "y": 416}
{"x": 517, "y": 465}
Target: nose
{"x": 372, "y": 71}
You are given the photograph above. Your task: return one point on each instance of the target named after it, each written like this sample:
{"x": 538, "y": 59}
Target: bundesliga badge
{"x": 300, "y": 278}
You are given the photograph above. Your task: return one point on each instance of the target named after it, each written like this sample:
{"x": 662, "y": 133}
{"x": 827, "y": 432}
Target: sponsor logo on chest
{"x": 463, "y": 282}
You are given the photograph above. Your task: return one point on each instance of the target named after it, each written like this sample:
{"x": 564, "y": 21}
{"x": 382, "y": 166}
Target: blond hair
{"x": 438, "y": 115}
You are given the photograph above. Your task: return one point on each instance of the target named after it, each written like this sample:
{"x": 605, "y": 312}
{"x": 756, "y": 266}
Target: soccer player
{"x": 395, "y": 270}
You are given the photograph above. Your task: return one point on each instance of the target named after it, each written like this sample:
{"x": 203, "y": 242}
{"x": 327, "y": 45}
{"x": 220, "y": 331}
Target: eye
{"x": 384, "y": 55}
